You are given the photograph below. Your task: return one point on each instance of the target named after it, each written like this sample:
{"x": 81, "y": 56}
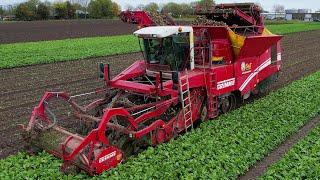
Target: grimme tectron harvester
{"x": 189, "y": 74}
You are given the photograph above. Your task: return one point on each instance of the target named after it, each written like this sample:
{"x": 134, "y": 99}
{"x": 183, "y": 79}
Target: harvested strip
{"x": 301, "y": 162}
{"x": 30, "y": 31}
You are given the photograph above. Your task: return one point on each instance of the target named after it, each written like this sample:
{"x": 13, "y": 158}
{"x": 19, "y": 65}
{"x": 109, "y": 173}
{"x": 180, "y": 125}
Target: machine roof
{"x": 161, "y": 31}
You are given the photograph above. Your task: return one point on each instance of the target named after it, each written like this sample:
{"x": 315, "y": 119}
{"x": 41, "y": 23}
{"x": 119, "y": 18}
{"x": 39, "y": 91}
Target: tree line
{"x": 38, "y": 10}
{"x": 176, "y": 10}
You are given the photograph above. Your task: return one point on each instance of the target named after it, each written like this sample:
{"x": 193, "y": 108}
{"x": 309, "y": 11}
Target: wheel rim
{"x": 228, "y": 103}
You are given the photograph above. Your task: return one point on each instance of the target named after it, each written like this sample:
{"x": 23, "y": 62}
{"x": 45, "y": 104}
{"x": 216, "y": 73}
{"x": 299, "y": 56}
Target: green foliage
{"x": 60, "y": 10}
{"x": 21, "y": 54}
{"x": 219, "y": 149}
{"x": 23, "y": 12}
{"x": 293, "y": 27}
{"x": 116, "y": 8}
{"x": 64, "y": 10}
{"x": 32, "y": 10}
{"x": 301, "y": 162}
{"x": 102, "y": 9}
{"x": 71, "y": 10}
{"x": 177, "y": 10}
{"x": 24, "y": 166}
{"x": 42, "y": 11}
{"x": 206, "y": 4}
{"x": 276, "y": 22}
{"x": 1, "y": 11}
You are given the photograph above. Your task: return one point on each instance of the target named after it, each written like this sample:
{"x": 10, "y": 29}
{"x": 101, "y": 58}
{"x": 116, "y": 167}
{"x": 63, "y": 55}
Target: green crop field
{"x": 301, "y": 162}
{"x": 22, "y": 54}
{"x": 293, "y": 27}
{"x": 219, "y": 149}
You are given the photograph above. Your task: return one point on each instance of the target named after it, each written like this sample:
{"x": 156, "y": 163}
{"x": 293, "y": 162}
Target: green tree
{"x": 60, "y": 10}
{"x": 206, "y": 4}
{"x": 42, "y": 11}
{"x": 33, "y": 4}
{"x": 1, "y": 11}
{"x": 71, "y": 10}
{"x": 186, "y": 10}
{"x": 173, "y": 8}
{"x": 115, "y": 9}
{"x": 24, "y": 13}
{"x": 101, "y": 9}
{"x": 152, "y": 7}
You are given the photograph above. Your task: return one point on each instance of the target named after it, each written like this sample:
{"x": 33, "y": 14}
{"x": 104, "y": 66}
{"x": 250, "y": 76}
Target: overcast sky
{"x": 267, "y": 4}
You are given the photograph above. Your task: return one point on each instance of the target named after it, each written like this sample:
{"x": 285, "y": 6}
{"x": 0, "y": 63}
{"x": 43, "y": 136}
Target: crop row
{"x": 222, "y": 148}
{"x": 21, "y": 54}
{"x": 301, "y": 162}
{"x": 293, "y": 27}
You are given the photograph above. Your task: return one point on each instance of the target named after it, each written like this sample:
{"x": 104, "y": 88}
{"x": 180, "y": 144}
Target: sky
{"x": 266, "y": 4}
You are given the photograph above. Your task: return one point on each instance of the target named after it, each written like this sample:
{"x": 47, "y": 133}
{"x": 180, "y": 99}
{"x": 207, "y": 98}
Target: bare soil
{"x": 21, "y": 88}
{"x": 61, "y": 29}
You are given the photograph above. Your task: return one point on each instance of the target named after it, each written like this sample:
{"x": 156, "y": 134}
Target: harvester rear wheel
{"x": 227, "y": 103}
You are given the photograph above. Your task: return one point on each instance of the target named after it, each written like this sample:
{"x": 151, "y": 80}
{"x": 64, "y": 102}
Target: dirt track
{"x": 22, "y": 87}
{"x": 62, "y": 29}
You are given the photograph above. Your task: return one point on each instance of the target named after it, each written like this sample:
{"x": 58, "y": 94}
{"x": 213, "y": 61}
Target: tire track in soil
{"x": 30, "y": 82}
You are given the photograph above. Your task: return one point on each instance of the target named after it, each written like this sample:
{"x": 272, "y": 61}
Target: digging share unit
{"x": 189, "y": 74}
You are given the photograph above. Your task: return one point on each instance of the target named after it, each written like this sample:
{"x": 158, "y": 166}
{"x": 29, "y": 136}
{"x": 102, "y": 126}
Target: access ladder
{"x": 185, "y": 101}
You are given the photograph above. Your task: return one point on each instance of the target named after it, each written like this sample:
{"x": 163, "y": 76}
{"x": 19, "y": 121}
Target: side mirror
{"x": 101, "y": 70}
{"x": 175, "y": 77}
{"x": 104, "y": 71}
{"x": 175, "y": 80}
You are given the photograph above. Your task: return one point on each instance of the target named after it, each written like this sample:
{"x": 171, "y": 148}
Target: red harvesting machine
{"x": 189, "y": 74}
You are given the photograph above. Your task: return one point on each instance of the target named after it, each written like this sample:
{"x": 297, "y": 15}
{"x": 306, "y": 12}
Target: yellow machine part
{"x": 238, "y": 40}
{"x": 216, "y": 58}
{"x": 266, "y": 32}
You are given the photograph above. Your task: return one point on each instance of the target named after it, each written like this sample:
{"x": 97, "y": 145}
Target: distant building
{"x": 304, "y": 11}
{"x": 291, "y": 11}
{"x": 8, "y": 18}
{"x": 307, "y": 16}
{"x": 81, "y": 14}
{"x": 272, "y": 15}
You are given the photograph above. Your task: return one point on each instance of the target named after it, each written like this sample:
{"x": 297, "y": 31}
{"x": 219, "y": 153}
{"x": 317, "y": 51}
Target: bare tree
{"x": 278, "y": 8}
{"x": 84, "y": 4}
{"x": 129, "y": 7}
{"x": 140, "y": 7}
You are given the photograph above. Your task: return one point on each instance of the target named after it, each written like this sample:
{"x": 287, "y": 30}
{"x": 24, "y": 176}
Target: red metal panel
{"x": 256, "y": 45}
{"x": 133, "y": 86}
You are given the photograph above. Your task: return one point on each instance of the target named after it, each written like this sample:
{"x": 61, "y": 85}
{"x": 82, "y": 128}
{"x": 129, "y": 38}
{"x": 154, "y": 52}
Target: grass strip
{"x": 223, "y": 148}
{"x": 21, "y": 54}
{"x": 301, "y": 162}
{"x": 293, "y": 27}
